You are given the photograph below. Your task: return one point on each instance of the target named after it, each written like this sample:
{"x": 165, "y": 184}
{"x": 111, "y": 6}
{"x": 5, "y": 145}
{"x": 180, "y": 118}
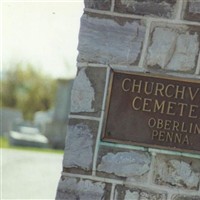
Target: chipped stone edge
{"x": 154, "y": 19}
{"x": 145, "y": 186}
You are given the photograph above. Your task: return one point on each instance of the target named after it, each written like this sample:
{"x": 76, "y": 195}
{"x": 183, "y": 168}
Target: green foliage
{"x": 4, "y": 142}
{"x": 28, "y": 90}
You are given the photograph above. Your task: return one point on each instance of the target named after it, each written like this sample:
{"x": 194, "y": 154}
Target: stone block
{"x": 184, "y": 197}
{"x": 173, "y": 49}
{"x": 98, "y": 4}
{"x": 125, "y": 193}
{"x": 158, "y": 8}
{"x": 87, "y": 92}
{"x": 110, "y": 40}
{"x": 79, "y": 145}
{"x": 128, "y": 165}
{"x": 192, "y": 11}
{"x": 177, "y": 172}
{"x": 75, "y": 188}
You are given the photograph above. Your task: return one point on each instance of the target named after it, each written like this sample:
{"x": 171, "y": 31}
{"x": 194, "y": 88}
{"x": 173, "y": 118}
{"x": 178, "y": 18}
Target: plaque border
{"x": 103, "y": 137}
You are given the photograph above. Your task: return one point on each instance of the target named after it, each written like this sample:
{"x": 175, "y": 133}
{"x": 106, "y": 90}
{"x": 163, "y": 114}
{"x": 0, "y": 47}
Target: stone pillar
{"x": 57, "y": 129}
{"x": 62, "y": 104}
{"x": 160, "y": 37}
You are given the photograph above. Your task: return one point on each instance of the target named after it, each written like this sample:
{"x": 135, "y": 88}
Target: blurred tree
{"x": 28, "y": 90}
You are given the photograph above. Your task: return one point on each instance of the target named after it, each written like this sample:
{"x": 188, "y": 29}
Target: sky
{"x": 43, "y": 33}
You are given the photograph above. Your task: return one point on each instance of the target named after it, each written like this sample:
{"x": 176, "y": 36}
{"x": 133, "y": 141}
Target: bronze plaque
{"x": 153, "y": 111}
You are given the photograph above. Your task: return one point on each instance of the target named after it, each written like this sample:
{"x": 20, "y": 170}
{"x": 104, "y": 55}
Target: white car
{"x": 28, "y": 136}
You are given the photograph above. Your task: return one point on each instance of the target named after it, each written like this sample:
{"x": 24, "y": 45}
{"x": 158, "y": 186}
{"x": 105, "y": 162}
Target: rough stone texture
{"x": 73, "y": 189}
{"x": 124, "y": 193}
{"x": 87, "y": 91}
{"x": 192, "y": 11}
{"x": 98, "y": 4}
{"x": 186, "y": 50}
{"x": 177, "y": 173}
{"x": 79, "y": 145}
{"x": 194, "y": 6}
{"x": 183, "y": 197}
{"x": 82, "y": 96}
{"x": 159, "y": 8}
{"x": 125, "y": 164}
{"x": 172, "y": 50}
{"x": 108, "y": 41}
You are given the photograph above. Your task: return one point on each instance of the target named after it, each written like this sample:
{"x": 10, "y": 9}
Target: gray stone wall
{"x": 158, "y": 36}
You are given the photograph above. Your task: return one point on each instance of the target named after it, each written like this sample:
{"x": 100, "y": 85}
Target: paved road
{"x": 29, "y": 175}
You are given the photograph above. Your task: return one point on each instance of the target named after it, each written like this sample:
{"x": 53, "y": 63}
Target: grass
{"x": 4, "y": 143}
